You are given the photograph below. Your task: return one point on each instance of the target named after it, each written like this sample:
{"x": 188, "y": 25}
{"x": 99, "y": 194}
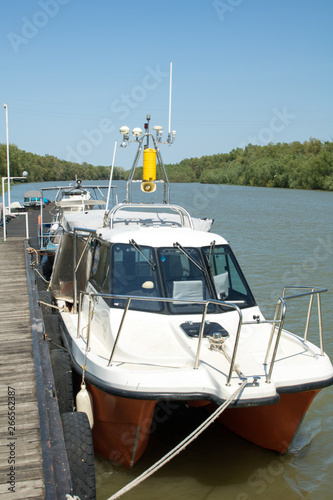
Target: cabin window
{"x": 135, "y": 274}
{"x": 229, "y": 282}
{"x": 100, "y": 271}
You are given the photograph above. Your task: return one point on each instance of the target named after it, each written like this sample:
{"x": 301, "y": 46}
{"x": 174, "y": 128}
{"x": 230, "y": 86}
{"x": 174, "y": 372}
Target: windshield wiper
{"x": 182, "y": 249}
{"x": 138, "y": 249}
{"x": 211, "y": 253}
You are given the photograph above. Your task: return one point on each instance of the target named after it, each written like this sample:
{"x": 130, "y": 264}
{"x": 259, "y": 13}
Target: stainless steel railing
{"x": 279, "y": 318}
{"x": 43, "y": 234}
{"x": 277, "y": 322}
{"x": 166, "y": 208}
{"x": 204, "y": 303}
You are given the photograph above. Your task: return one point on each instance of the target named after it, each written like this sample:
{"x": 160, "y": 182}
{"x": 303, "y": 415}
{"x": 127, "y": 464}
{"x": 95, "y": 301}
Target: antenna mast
{"x": 170, "y": 92}
{"x": 111, "y": 174}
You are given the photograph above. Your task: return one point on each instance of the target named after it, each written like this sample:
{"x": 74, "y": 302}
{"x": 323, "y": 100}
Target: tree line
{"x": 49, "y": 168}
{"x": 295, "y": 165}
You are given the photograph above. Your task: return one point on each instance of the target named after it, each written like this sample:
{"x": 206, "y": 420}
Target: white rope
{"x": 180, "y": 447}
{"x": 218, "y": 345}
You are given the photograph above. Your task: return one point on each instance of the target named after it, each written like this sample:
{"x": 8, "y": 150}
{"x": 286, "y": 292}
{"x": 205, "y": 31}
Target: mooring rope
{"x": 181, "y": 446}
{"x": 32, "y": 250}
{"x": 41, "y": 276}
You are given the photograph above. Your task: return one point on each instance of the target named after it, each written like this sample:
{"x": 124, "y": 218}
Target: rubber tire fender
{"x": 80, "y": 454}
{"x": 63, "y": 379}
{"x": 52, "y": 329}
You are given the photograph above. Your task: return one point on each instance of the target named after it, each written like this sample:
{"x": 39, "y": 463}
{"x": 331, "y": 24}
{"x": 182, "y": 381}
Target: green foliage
{"x": 50, "y": 168}
{"x": 296, "y": 165}
{"x": 307, "y": 165}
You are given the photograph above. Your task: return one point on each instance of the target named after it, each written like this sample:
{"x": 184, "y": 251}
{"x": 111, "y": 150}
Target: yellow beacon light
{"x": 149, "y": 171}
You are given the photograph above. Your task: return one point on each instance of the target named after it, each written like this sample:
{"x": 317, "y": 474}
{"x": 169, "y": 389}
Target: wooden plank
{"x": 26, "y": 490}
{"x": 17, "y": 370}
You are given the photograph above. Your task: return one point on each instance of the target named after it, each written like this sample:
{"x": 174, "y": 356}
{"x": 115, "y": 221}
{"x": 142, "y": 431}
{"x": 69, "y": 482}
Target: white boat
{"x": 68, "y": 199}
{"x": 34, "y": 199}
{"x": 154, "y": 307}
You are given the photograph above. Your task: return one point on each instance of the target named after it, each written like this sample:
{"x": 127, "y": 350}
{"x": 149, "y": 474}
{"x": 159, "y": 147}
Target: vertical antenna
{"x": 170, "y": 92}
{"x": 111, "y": 174}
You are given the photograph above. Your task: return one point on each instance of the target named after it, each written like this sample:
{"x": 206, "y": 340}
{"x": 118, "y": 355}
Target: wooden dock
{"x": 21, "y": 463}
{"x": 33, "y": 460}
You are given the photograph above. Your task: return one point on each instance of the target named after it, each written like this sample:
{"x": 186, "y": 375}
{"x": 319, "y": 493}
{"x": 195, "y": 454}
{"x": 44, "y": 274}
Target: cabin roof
{"x": 32, "y": 194}
{"x": 89, "y": 219}
{"x": 160, "y": 236}
{"x": 151, "y": 229}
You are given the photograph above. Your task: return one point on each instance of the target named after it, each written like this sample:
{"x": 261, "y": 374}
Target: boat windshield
{"x": 184, "y": 276}
{"x": 178, "y": 273}
{"x": 134, "y": 272}
{"x": 229, "y": 282}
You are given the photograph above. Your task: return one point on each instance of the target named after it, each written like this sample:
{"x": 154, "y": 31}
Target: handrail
{"x": 279, "y": 318}
{"x": 4, "y": 222}
{"x": 182, "y": 212}
{"x": 129, "y": 298}
{"x": 281, "y": 309}
{"x": 26, "y": 222}
{"x": 44, "y": 234}
{"x": 314, "y": 291}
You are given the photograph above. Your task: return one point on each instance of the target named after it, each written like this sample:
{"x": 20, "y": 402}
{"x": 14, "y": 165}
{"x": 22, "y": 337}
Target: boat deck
{"x": 33, "y": 460}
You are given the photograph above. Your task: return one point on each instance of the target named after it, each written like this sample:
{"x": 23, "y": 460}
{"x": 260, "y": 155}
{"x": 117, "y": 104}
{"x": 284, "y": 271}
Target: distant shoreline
{"x": 296, "y": 165}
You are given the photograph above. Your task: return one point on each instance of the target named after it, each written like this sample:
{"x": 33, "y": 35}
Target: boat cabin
{"x": 167, "y": 262}
{"x": 34, "y": 199}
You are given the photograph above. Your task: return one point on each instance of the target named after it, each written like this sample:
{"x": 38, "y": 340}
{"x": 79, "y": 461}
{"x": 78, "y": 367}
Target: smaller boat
{"x": 71, "y": 199}
{"x": 16, "y": 206}
{"x": 34, "y": 199}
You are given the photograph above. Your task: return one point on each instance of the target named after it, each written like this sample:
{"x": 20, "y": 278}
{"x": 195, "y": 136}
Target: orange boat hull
{"x": 272, "y": 426}
{"x": 121, "y": 426}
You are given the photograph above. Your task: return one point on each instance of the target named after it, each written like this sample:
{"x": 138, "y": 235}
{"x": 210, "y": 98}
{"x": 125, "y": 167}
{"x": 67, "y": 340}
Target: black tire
{"x": 52, "y": 330}
{"x": 80, "y": 454}
{"x": 63, "y": 379}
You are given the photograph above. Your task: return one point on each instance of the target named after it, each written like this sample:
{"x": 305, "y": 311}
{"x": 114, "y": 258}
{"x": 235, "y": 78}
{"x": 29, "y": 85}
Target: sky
{"x": 244, "y": 71}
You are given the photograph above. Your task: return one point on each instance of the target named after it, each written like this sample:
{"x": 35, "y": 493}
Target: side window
{"x": 100, "y": 271}
{"x": 229, "y": 282}
{"x": 220, "y": 271}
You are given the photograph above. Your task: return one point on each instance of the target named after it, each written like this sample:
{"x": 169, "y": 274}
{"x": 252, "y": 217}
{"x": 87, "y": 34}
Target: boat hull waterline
{"x": 123, "y": 425}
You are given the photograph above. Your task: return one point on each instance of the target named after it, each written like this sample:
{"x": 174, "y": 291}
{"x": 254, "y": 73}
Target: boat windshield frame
{"x": 199, "y": 273}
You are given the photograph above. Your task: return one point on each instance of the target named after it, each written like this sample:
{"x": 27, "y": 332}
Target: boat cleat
{"x": 217, "y": 340}
{"x": 254, "y": 382}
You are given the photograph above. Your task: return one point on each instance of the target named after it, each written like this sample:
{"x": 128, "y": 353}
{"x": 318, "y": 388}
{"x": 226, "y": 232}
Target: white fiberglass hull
{"x": 154, "y": 361}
